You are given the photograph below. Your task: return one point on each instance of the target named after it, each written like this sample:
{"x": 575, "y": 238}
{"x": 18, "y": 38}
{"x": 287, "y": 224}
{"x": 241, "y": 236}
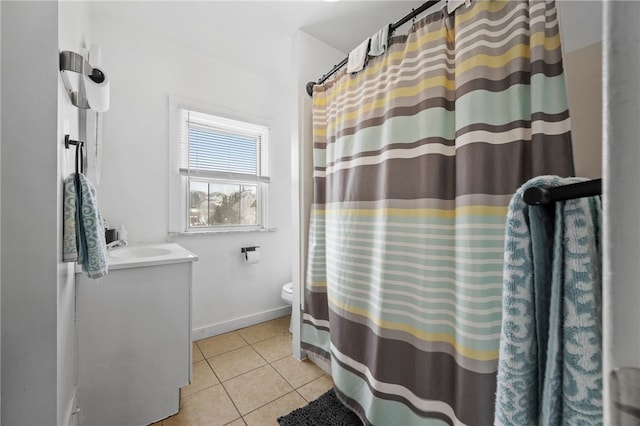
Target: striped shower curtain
{"x": 415, "y": 160}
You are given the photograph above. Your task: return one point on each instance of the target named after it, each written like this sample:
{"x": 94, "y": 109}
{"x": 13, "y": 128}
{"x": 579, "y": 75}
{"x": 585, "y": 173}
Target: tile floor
{"x": 247, "y": 377}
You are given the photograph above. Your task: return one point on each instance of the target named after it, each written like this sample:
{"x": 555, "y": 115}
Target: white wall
{"x": 0, "y": 213}
{"x": 583, "y": 68}
{"x": 38, "y": 299}
{"x": 73, "y": 27}
{"x": 580, "y": 23}
{"x": 227, "y": 294}
{"x": 621, "y": 291}
{"x": 30, "y": 238}
{"x": 311, "y": 59}
{"x": 581, "y": 30}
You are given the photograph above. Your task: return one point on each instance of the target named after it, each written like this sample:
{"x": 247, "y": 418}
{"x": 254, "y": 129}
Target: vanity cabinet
{"x": 134, "y": 343}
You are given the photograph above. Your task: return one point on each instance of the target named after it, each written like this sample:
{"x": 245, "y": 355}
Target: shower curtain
{"x": 415, "y": 160}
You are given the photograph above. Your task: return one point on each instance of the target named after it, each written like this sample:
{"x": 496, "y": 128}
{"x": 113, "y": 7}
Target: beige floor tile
{"x": 220, "y": 344}
{"x": 238, "y": 422}
{"x": 274, "y": 348}
{"x": 267, "y": 415}
{"x": 256, "y": 388}
{"x": 259, "y": 332}
{"x": 282, "y": 323}
{"x": 297, "y": 373}
{"x": 236, "y": 362}
{"x": 210, "y": 407}
{"x": 313, "y": 390}
{"x": 203, "y": 378}
{"x": 196, "y": 355}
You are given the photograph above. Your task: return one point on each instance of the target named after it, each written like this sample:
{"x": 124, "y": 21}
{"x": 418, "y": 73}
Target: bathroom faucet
{"x": 116, "y": 243}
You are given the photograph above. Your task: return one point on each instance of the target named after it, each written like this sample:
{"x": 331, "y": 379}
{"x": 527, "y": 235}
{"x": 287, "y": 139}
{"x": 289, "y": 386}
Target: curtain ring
{"x": 413, "y": 17}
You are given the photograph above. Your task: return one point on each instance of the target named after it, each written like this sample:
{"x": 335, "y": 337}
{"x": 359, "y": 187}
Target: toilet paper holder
{"x": 74, "y": 62}
{"x": 245, "y": 250}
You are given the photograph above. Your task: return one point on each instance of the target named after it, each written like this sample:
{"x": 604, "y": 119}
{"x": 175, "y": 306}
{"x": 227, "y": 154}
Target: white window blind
{"x": 221, "y": 148}
{"x": 218, "y": 151}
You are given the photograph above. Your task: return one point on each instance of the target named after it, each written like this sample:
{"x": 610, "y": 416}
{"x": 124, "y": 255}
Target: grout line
{"x": 242, "y": 337}
{"x": 284, "y": 378}
{"x": 213, "y": 371}
{"x": 270, "y": 402}
{"x": 246, "y": 372}
{"x": 301, "y": 396}
{"x": 260, "y": 355}
{"x": 267, "y": 403}
{"x": 226, "y": 352}
{"x": 267, "y": 363}
{"x": 232, "y": 401}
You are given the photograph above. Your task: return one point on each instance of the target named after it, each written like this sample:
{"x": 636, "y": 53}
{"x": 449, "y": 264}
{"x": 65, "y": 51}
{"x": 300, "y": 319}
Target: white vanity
{"x": 134, "y": 335}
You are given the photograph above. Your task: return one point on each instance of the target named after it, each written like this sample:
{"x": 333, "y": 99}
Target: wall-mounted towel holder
{"x": 536, "y": 196}
{"x": 68, "y": 141}
{"x": 74, "y": 62}
{"x": 79, "y": 152}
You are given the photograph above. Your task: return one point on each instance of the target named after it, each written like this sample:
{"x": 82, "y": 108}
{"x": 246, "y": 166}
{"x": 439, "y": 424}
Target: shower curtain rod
{"x": 392, "y": 28}
{"x": 538, "y": 196}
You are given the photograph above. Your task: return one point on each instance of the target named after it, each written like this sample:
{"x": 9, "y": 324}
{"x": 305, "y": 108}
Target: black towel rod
{"x": 68, "y": 141}
{"x": 538, "y": 196}
{"x": 392, "y": 28}
{"x": 79, "y": 153}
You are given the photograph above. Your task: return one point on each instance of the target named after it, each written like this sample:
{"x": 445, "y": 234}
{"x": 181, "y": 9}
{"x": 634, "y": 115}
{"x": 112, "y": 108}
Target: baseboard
{"x": 237, "y": 323}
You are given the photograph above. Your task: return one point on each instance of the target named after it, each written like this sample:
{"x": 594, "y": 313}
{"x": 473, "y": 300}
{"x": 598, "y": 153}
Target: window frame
{"x": 181, "y": 175}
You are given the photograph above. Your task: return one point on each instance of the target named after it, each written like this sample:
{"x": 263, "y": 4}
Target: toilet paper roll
{"x": 97, "y": 89}
{"x": 252, "y": 256}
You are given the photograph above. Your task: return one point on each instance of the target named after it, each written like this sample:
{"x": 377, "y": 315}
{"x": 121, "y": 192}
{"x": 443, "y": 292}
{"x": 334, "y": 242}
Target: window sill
{"x": 221, "y": 232}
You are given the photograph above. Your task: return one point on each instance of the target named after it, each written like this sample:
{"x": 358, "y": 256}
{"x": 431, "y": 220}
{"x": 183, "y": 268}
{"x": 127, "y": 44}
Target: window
{"x": 221, "y": 164}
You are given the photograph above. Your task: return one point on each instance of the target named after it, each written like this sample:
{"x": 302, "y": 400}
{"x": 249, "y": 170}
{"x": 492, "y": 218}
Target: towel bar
{"x": 68, "y": 141}
{"x": 538, "y": 196}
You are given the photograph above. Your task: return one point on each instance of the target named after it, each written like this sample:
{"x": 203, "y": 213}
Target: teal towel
{"x": 83, "y": 233}
{"x": 550, "y": 360}
{"x": 69, "y": 202}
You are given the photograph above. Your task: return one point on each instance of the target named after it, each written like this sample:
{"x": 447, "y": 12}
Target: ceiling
{"x": 257, "y": 35}
{"x": 253, "y": 34}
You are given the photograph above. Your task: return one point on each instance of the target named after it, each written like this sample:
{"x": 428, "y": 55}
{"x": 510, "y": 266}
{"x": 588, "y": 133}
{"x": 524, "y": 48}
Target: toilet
{"x": 287, "y": 295}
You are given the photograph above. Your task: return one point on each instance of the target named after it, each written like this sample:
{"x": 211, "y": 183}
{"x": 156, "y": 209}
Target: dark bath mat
{"x": 327, "y": 410}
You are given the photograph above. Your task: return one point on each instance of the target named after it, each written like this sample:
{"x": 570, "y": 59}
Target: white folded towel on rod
{"x": 452, "y": 5}
{"x": 357, "y": 57}
{"x": 379, "y": 41}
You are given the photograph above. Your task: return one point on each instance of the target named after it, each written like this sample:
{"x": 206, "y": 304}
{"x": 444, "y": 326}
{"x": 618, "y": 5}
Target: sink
{"x": 137, "y": 252}
{"x": 138, "y": 255}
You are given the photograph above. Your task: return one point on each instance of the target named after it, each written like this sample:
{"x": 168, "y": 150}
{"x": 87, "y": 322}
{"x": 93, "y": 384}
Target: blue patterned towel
{"x": 83, "y": 229}
{"x": 69, "y": 242}
{"x": 550, "y": 362}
